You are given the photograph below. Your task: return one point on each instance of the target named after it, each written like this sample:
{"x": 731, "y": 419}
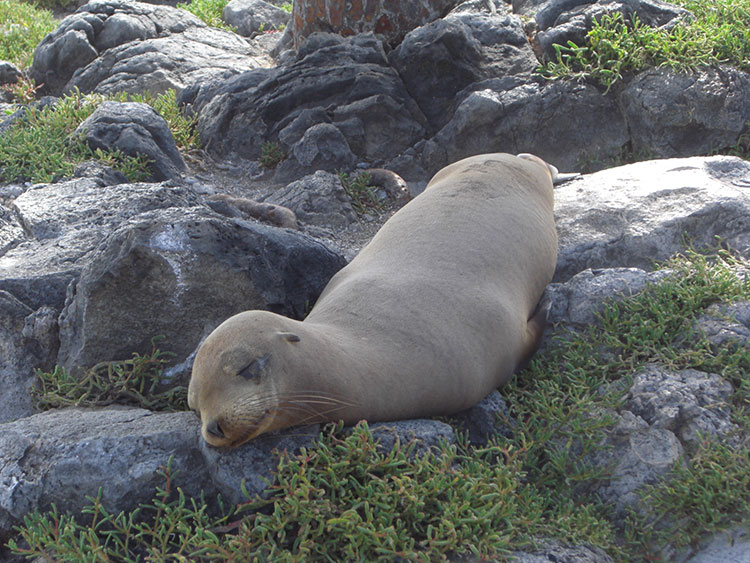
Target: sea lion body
{"x": 433, "y": 314}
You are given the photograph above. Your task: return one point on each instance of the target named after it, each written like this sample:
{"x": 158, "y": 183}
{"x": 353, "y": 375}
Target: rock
{"x": 28, "y": 340}
{"x": 561, "y": 21}
{"x": 318, "y": 199}
{"x": 692, "y": 404}
{"x": 726, "y": 325}
{"x": 9, "y": 73}
{"x": 190, "y": 269}
{"x": 63, "y": 224}
{"x": 65, "y": 456}
{"x": 577, "y": 301}
{"x": 726, "y": 546}
{"x": 510, "y": 115}
{"x": 555, "y": 550}
{"x": 638, "y": 455}
{"x": 252, "y": 16}
{"x": 427, "y": 435}
{"x": 632, "y": 215}
{"x": 104, "y": 174}
{"x": 293, "y": 106}
{"x": 440, "y": 59}
{"x": 322, "y": 147}
{"x": 120, "y": 46}
{"x": 486, "y": 420}
{"x": 655, "y": 102}
{"x": 391, "y": 18}
{"x": 134, "y": 129}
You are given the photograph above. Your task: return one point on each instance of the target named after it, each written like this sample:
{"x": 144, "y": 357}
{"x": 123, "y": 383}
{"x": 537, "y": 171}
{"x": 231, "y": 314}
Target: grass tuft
{"x": 40, "y": 147}
{"x": 364, "y": 197}
{"x": 22, "y": 28}
{"x": 209, "y": 11}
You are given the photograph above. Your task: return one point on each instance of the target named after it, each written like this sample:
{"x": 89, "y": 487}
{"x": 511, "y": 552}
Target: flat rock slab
{"x": 632, "y": 215}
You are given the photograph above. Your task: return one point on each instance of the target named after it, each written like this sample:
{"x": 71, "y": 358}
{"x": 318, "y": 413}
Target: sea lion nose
{"x": 214, "y": 429}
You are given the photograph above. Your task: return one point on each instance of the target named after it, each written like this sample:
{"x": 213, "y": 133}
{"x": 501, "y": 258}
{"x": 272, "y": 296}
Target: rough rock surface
{"x": 9, "y": 73}
{"x": 134, "y": 129}
{"x": 727, "y": 324}
{"x": 655, "y": 104}
{"x": 114, "y": 45}
{"x": 64, "y": 456}
{"x": 191, "y": 269}
{"x": 391, "y": 18}
{"x": 252, "y": 16}
{"x": 648, "y": 210}
{"x": 318, "y": 199}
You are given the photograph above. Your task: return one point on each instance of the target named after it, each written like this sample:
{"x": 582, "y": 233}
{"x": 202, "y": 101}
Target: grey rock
{"x": 440, "y": 59}
{"x": 731, "y": 546}
{"x": 692, "y": 404}
{"x": 190, "y": 268}
{"x": 318, "y": 199}
{"x": 249, "y": 16}
{"x": 283, "y": 104}
{"x": 11, "y": 232}
{"x": 513, "y": 116}
{"x": 65, "y": 456}
{"x": 727, "y": 325}
{"x": 673, "y": 114}
{"x": 322, "y": 147}
{"x": 560, "y": 21}
{"x": 9, "y": 73}
{"x": 134, "y": 129}
{"x": 28, "y": 340}
{"x": 104, "y": 174}
{"x": 486, "y": 420}
{"x": 637, "y": 455}
{"x": 64, "y": 223}
{"x": 556, "y": 551}
{"x": 577, "y": 301}
{"x": 635, "y": 214}
{"x": 119, "y": 46}
{"x": 427, "y": 435}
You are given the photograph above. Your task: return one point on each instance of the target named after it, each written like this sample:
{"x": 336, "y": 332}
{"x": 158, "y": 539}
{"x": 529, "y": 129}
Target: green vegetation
{"x": 364, "y": 198}
{"x": 345, "y": 500}
{"x": 718, "y": 33}
{"x": 137, "y": 382}
{"x": 270, "y": 154}
{"x": 209, "y": 11}
{"x": 22, "y": 28}
{"x": 41, "y": 148}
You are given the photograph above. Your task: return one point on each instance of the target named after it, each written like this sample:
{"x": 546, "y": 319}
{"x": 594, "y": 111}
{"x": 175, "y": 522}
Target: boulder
{"x": 511, "y": 115}
{"x": 9, "y": 73}
{"x": 253, "y": 16}
{"x": 391, "y": 18}
{"x": 293, "y": 106}
{"x": 63, "y": 457}
{"x": 318, "y": 199}
{"x": 673, "y": 114}
{"x": 632, "y": 215}
{"x": 727, "y": 325}
{"x": 440, "y": 59}
{"x": 120, "y": 46}
{"x": 134, "y": 129}
{"x": 191, "y": 269}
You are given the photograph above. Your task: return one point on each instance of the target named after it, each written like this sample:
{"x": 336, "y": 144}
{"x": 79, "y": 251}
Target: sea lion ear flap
{"x": 289, "y": 336}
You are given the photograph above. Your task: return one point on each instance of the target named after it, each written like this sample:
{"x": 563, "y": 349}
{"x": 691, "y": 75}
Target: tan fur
{"x": 434, "y": 313}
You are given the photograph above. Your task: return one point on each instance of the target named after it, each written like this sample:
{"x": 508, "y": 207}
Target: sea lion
{"x": 270, "y": 212}
{"x": 433, "y": 314}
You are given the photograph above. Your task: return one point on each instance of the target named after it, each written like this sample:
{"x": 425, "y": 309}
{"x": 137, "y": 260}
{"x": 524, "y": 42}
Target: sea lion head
{"x": 236, "y": 387}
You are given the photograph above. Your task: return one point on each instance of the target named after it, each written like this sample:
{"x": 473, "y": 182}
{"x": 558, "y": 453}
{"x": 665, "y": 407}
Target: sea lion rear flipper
{"x": 534, "y": 331}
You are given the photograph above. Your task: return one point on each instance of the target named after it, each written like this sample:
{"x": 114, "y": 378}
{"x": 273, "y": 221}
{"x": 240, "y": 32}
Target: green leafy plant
{"x": 41, "y": 148}
{"x": 364, "y": 197}
{"x": 22, "y": 28}
{"x": 270, "y": 154}
{"x": 137, "y": 381}
{"x": 718, "y": 33}
{"x": 209, "y": 11}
